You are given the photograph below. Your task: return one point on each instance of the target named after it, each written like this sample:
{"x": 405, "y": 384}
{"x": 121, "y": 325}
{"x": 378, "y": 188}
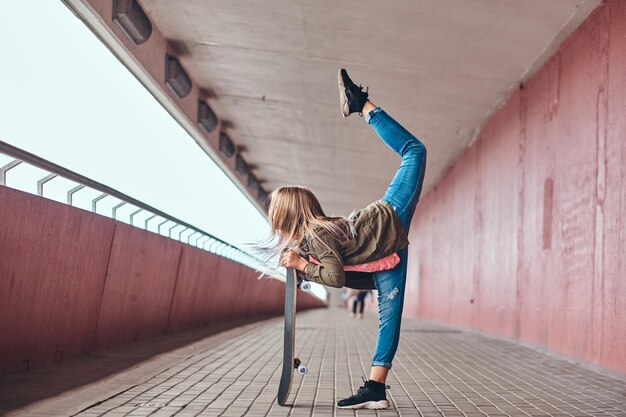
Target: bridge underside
{"x": 270, "y": 72}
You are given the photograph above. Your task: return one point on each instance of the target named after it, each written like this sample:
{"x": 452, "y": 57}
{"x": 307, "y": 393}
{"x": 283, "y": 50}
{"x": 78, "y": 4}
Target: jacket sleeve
{"x": 330, "y": 272}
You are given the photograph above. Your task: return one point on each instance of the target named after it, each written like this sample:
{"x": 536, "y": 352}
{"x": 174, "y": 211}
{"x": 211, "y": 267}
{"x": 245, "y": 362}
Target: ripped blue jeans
{"x": 403, "y": 194}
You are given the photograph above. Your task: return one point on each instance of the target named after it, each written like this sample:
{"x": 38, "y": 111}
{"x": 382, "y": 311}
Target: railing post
{"x": 147, "y": 220}
{"x": 114, "y": 211}
{"x": 94, "y": 202}
{"x": 133, "y": 215}
{"x": 42, "y": 181}
{"x": 5, "y": 169}
{"x": 70, "y": 193}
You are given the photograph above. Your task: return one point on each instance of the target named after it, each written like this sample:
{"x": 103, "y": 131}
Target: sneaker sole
{"x": 370, "y": 405}
{"x": 343, "y": 99}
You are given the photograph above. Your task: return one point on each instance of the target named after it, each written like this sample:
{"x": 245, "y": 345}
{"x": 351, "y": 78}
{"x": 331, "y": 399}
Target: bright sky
{"x": 66, "y": 98}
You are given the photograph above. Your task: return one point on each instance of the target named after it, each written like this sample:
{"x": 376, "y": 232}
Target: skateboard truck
{"x": 300, "y": 367}
{"x": 304, "y": 285}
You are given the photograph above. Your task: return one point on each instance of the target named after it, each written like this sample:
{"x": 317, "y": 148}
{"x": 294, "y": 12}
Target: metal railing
{"x": 168, "y": 226}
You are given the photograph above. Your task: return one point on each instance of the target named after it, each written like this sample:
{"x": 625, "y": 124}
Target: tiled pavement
{"x": 438, "y": 371}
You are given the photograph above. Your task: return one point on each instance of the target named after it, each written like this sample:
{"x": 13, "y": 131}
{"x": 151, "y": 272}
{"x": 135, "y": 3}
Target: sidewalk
{"x": 438, "y": 371}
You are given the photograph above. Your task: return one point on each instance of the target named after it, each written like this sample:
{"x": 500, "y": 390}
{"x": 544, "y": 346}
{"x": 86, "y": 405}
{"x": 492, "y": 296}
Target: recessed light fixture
{"x": 241, "y": 166}
{"x": 253, "y": 184}
{"x": 227, "y": 147}
{"x": 133, "y": 21}
{"x": 176, "y": 78}
{"x": 206, "y": 117}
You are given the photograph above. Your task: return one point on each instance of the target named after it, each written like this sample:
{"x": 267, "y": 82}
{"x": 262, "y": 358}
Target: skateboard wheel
{"x": 296, "y": 362}
{"x": 302, "y": 369}
{"x": 305, "y": 285}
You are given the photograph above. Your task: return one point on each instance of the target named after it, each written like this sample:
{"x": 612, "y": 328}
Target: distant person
{"x": 374, "y": 238}
{"x": 358, "y": 300}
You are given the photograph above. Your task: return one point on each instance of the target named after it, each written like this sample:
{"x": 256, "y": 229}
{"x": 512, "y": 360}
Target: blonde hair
{"x": 296, "y": 215}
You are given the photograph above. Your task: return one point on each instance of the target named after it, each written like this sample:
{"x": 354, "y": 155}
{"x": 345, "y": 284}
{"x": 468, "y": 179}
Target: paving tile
{"x": 438, "y": 371}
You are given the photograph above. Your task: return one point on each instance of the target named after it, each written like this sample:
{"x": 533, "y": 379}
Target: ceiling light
{"x": 253, "y": 184}
{"x": 241, "y": 167}
{"x": 227, "y": 147}
{"x": 133, "y": 21}
{"x": 176, "y": 78}
{"x": 206, "y": 117}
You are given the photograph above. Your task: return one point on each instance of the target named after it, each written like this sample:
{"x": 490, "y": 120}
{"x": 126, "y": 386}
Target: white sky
{"x": 66, "y": 98}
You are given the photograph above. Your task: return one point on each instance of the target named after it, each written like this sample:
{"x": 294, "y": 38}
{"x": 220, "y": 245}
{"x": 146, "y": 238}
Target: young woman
{"x": 373, "y": 238}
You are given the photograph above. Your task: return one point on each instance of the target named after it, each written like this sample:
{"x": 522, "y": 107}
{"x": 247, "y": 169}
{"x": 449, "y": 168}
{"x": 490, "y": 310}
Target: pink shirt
{"x": 388, "y": 262}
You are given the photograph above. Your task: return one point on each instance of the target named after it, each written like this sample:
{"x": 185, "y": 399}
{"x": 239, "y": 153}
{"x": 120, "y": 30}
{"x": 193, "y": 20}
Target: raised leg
{"x": 406, "y": 186}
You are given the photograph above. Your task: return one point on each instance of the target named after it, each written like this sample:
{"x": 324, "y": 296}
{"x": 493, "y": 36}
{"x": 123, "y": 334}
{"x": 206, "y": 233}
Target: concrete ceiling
{"x": 440, "y": 67}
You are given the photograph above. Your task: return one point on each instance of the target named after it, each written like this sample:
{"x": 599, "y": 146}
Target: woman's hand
{"x": 290, "y": 259}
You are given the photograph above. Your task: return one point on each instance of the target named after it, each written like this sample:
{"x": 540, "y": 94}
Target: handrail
{"x": 55, "y": 170}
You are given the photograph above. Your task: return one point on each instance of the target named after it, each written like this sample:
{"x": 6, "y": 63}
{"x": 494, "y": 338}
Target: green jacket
{"x": 379, "y": 233}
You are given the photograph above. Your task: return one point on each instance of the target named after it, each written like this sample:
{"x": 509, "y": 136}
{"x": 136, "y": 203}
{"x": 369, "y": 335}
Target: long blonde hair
{"x": 296, "y": 215}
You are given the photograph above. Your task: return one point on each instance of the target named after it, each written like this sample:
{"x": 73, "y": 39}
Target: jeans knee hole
{"x": 392, "y": 294}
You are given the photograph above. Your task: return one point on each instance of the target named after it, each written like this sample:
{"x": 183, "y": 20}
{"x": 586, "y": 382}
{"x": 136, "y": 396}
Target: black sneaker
{"x": 351, "y": 98}
{"x": 371, "y": 396}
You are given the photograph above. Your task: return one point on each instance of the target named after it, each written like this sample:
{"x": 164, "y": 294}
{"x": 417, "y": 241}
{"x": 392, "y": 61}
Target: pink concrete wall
{"x": 140, "y": 281}
{"x": 525, "y": 237}
{"x": 72, "y": 282}
{"x": 49, "y": 302}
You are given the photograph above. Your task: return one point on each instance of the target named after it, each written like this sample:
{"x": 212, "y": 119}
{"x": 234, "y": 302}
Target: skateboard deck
{"x": 290, "y": 363}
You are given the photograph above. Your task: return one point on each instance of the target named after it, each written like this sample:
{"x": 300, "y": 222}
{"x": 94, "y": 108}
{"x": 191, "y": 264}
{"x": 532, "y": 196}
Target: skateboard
{"x": 290, "y": 363}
